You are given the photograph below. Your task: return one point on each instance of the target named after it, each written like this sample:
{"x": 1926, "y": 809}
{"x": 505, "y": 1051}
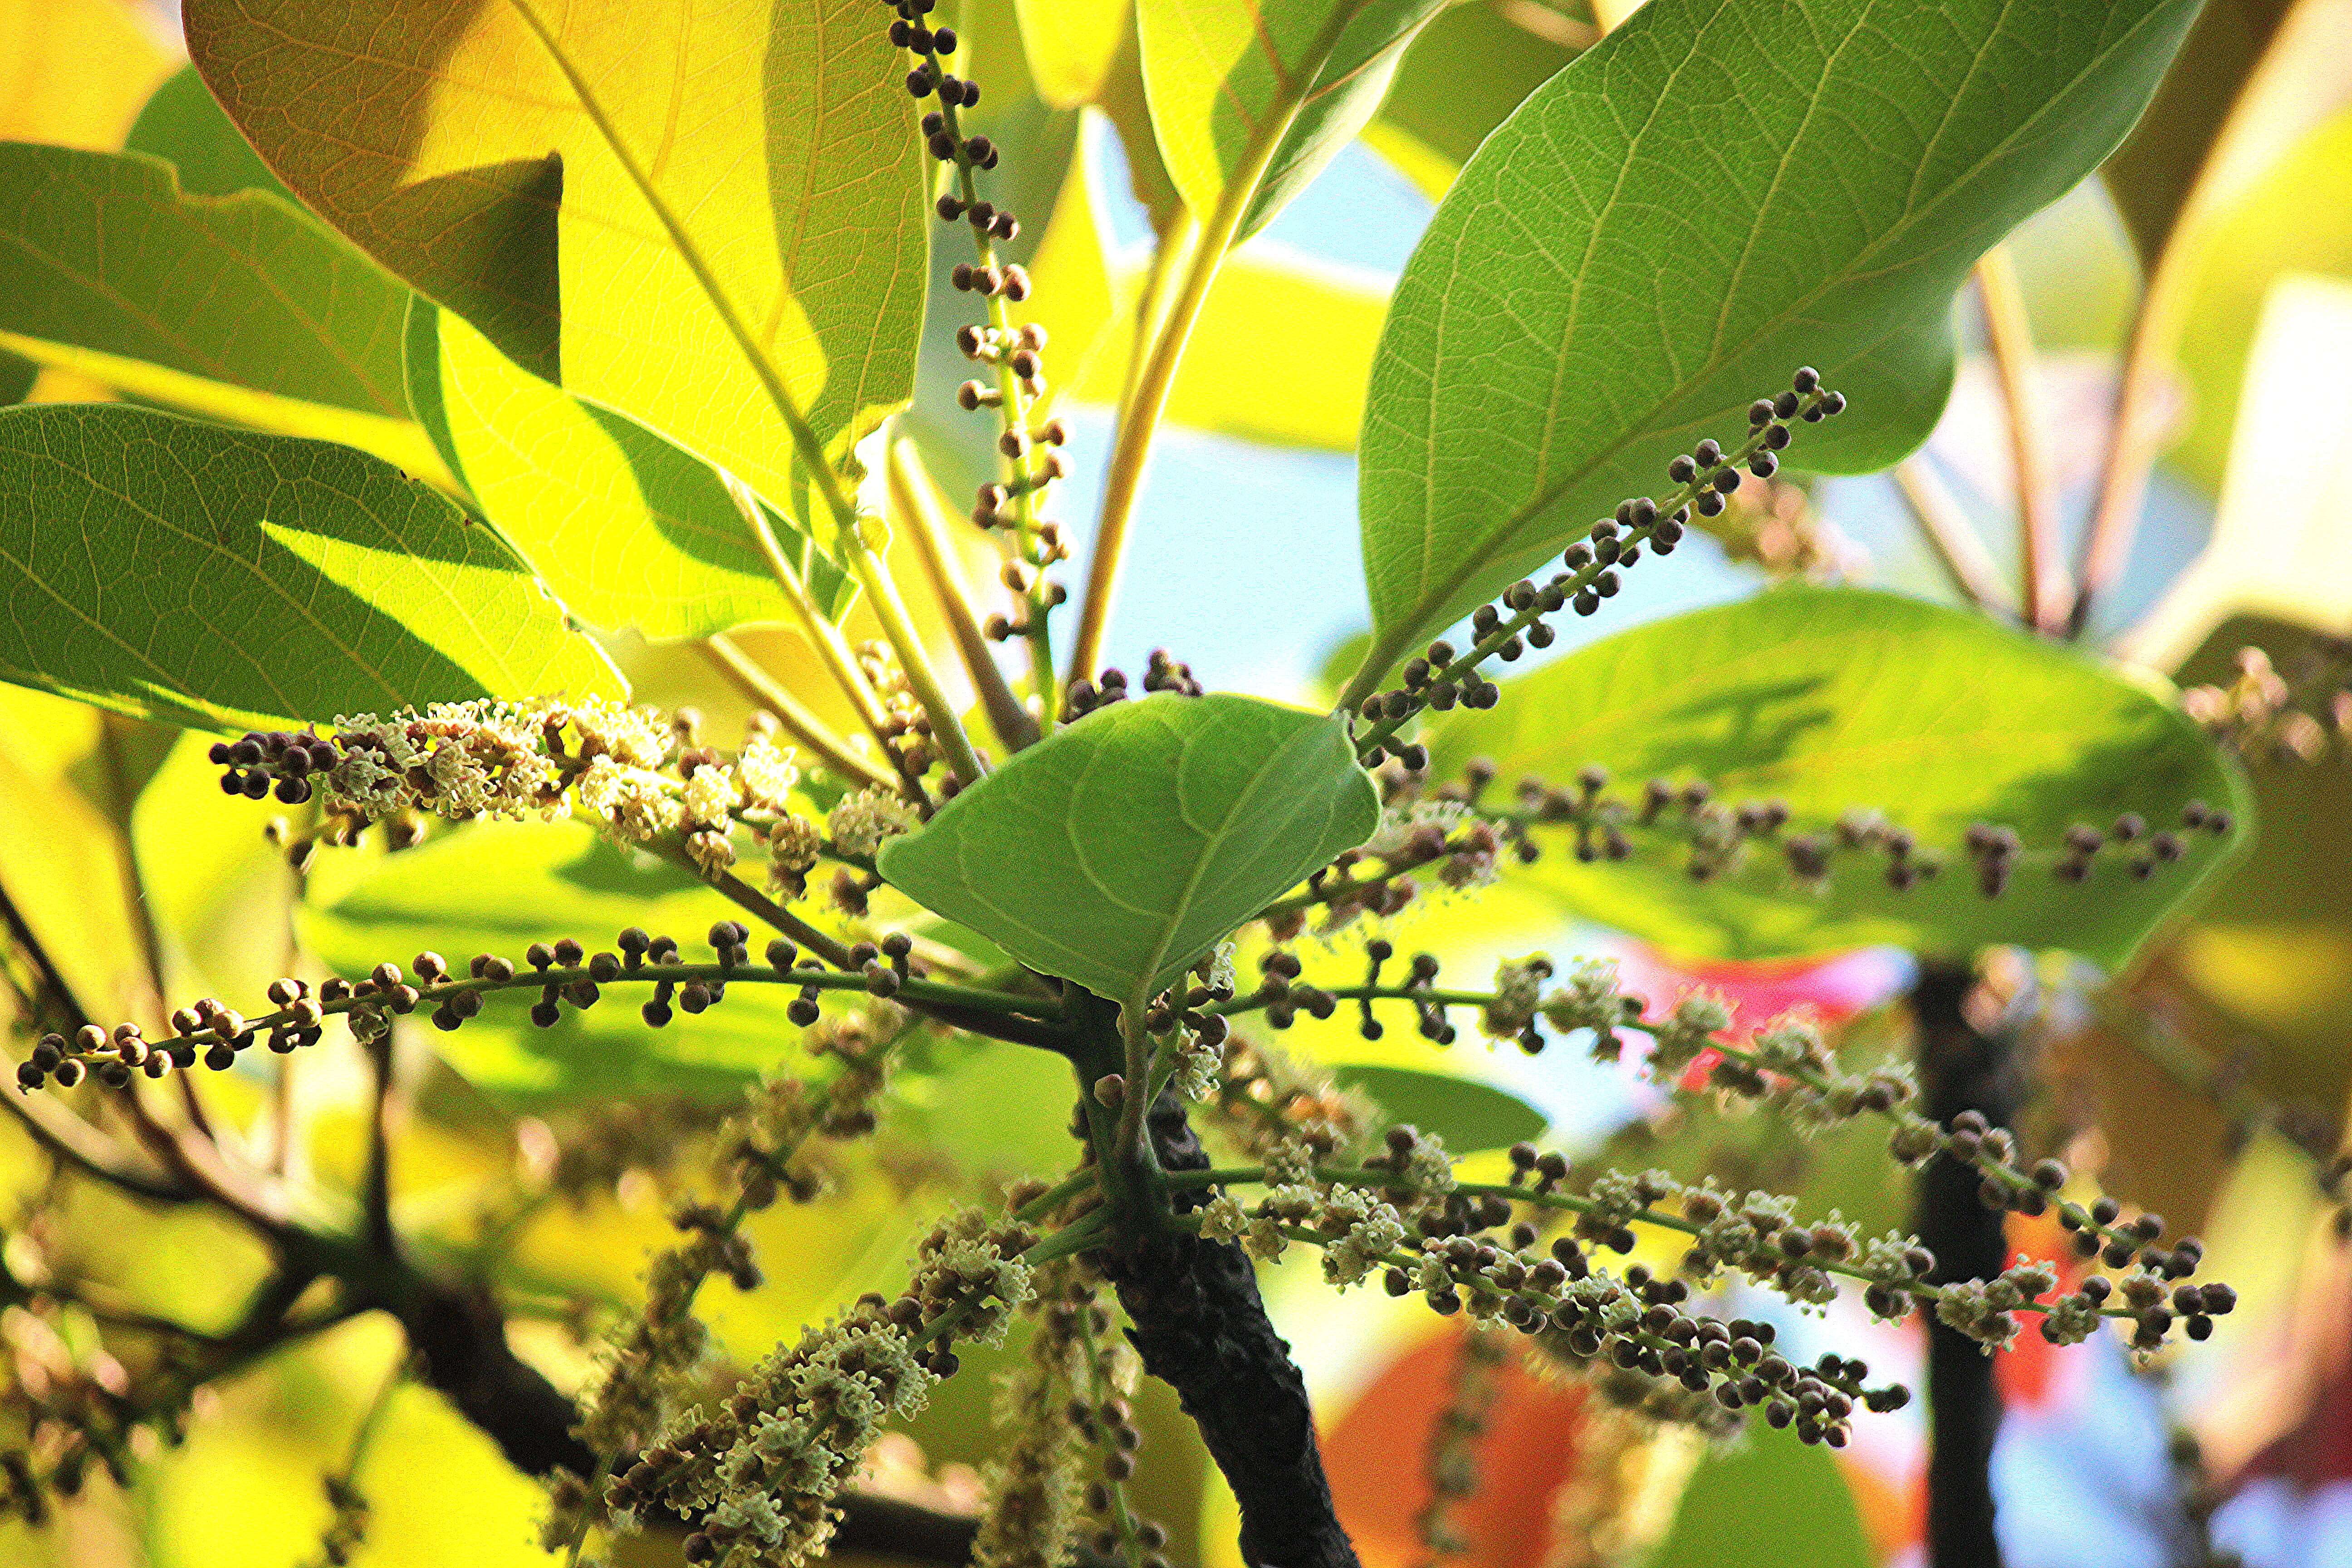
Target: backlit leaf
{"x": 1128, "y": 845}
{"x": 731, "y": 195}
{"x": 1263, "y": 93}
{"x": 627, "y": 529}
{"x": 1835, "y": 699}
{"x": 74, "y": 72}
{"x": 102, "y": 254}
{"x": 218, "y": 578}
{"x": 1709, "y": 198}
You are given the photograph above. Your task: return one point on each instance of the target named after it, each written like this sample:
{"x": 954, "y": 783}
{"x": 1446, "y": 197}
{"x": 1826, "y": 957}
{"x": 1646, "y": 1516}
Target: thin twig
{"x": 77, "y": 1143}
{"x": 914, "y": 498}
{"x": 1139, "y": 419}
{"x": 376, "y": 1182}
{"x": 1949, "y": 536}
{"x": 798, "y": 720}
{"x": 2010, "y": 333}
{"x": 2134, "y": 435}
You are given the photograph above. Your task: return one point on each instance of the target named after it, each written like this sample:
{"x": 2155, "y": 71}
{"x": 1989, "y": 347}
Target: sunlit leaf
{"x": 1840, "y": 700}
{"x": 1602, "y": 288}
{"x": 1465, "y": 1114}
{"x": 731, "y": 196}
{"x": 1143, "y": 834}
{"x": 2252, "y": 76}
{"x": 1072, "y": 45}
{"x": 1260, "y": 95}
{"x": 628, "y": 530}
{"x": 101, "y": 251}
{"x": 74, "y": 72}
{"x": 2282, "y": 546}
{"x": 216, "y": 578}
{"x": 2297, "y": 217}
{"x": 1772, "y": 1499}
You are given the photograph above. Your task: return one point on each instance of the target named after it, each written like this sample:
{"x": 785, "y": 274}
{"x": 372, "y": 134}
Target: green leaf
{"x": 497, "y": 887}
{"x": 1466, "y": 1114}
{"x": 1834, "y": 700}
{"x": 1711, "y": 196}
{"x": 1461, "y": 78}
{"x": 183, "y": 126}
{"x": 628, "y": 530}
{"x": 220, "y": 579}
{"x": 104, "y": 252}
{"x": 1128, "y": 845}
{"x": 1770, "y": 1499}
{"x": 1259, "y": 95}
{"x": 731, "y": 195}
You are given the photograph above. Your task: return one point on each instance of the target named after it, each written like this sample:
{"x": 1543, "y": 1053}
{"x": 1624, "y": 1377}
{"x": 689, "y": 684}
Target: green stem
{"x": 799, "y": 720}
{"x": 1139, "y": 421}
{"x": 947, "y": 728}
{"x": 915, "y": 499}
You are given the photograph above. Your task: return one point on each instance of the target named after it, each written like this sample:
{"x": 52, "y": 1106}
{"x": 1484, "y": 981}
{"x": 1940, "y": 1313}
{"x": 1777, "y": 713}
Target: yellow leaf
{"x": 2282, "y": 544}
{"x": 74, "y": 72}
{"x": 1297, "y": 334}
{"x": 706, "y": 213}
{"x": 1071, "y": 45}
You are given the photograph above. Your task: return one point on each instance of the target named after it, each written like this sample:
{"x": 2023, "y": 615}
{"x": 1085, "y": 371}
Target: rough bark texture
{"x": 1201, "y": 1328}
{"x": 1960, "y": 1069}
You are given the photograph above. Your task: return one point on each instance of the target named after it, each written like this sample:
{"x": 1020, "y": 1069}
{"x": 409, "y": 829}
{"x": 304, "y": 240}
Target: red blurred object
{"x": 1377, "y": 1454}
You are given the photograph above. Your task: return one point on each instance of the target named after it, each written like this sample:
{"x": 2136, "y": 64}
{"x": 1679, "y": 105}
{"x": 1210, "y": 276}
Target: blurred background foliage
{"x": 2207, "y": 274}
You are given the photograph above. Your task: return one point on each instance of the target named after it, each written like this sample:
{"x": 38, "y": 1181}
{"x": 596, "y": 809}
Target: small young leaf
{"x": 1128, "y": 844}
{"x": 1466, "y": 1114}
{"x": 725, "y": 196}
{"x": 1834, "y": 700}
{"x": 1265, "y": 88}
{"x": 217, "y": 578}
{"x": 630, "y": 530}
{"x": 1710, "y": 197}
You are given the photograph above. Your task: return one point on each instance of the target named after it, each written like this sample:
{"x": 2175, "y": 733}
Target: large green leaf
{"x": 218, "y": 578}
{"x": 1466, "y": 1114}
{"x": 497, "y": 887}
{"x": 731, "y": 195}
{"x": 1258, "y": 96}
{"x": 1834, "y": 700}
{"x": 103, "y": 252}
{"x": 1770, "y": 1489}
{"x": 1128, "y": 844}
{"x": 629, "y": 530}
{"x": 1713, "y": 195}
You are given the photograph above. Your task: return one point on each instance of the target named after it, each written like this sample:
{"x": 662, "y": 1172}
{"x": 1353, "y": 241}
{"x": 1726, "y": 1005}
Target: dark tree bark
{"x": 1201, "y": 1329}
{"x": 1960, "y": 1069}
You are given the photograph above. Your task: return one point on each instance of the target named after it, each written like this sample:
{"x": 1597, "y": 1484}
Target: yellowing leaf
{"x": 627, "y": 529}
{"x": 74, "y": 72}
{"x": 1297, "y": 334}
{"x": 1071, "y": 45}
{"x": 2282, "y": 544}
{"x": 730, "y": 195}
